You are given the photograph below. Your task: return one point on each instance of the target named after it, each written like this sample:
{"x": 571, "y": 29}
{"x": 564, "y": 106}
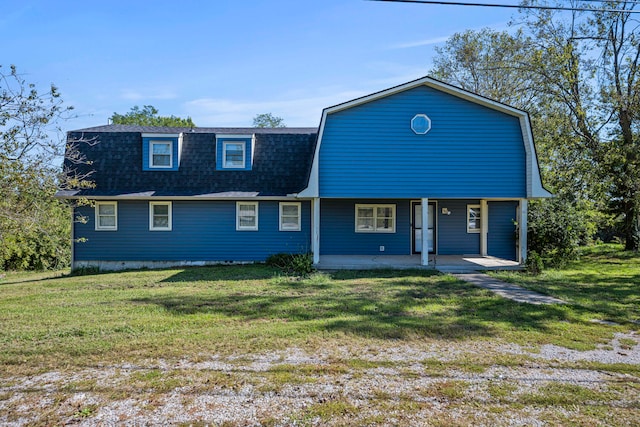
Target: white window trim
{"x": 375, "y": 217}
{"x": 473, "y": 230}
{"x": 246, "y": 228}
{"x": 151, "y": 144}
{"x": 225, "y": 165}
{"x": 281, "y": 209}
{"x": 170, "y": 212}
{"x": 97, "y": 216}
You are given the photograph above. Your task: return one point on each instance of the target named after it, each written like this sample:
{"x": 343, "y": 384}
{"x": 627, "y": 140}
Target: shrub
{"x": 299, "y": 264}
{"x": 534, "y": 264}
{"x": 34, "y": 250}
{"x": 556, "y": 227}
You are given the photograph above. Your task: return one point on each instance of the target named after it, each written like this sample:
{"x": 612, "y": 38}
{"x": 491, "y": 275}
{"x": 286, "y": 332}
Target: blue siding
{"x": 248, "y": 161}
{"x": 501, "y": 241}
{"x": 471, "y": 151}
{"x": 146, "y": 161}
{"x": 338, "y": 236}
{"x": 453, "y": 238}
{"x": 202, "y": 231}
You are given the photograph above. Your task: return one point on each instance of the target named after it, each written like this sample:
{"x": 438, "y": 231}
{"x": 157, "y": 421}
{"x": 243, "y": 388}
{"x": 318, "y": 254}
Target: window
{"x": 161, "y": 151}
{"x": 160, "y": 216}
{"x": 289, "y": 216}
{"x": 107, "y": 216}
{"x": 233, "y": 155}
{"x": 234, "y": 152}
{"x": 246, "y": 215}
{"x": 375, "y": 218}
{"x": 161, "y": 154}
{"x": 473, "y": 218}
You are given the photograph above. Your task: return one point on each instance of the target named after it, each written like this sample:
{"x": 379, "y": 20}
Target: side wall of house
{"x": 201, "y": 231}
{"x": 471, "y": 151}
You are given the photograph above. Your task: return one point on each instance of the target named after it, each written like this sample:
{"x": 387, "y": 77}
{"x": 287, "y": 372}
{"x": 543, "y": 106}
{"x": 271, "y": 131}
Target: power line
{"x": 512, "y": 6}
{"x": 604, "y": 1}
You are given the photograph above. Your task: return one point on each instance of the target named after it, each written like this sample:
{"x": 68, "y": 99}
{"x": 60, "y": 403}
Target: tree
{"x": 473, "y": 59}
{"x": 268, "y": 120}
{"x": 577, "y": 74}
{"x": 34, "y": 226}
{"x": 589, "y": 61}
{"x": 148, "y": 116}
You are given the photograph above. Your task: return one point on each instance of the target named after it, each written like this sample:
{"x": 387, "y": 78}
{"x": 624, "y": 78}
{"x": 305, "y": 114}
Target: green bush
{"x": 534, "y": 264}
{"x": 26, "y": 250}
{"x": 298, "y": 264}
{"x": 556, "y": 227}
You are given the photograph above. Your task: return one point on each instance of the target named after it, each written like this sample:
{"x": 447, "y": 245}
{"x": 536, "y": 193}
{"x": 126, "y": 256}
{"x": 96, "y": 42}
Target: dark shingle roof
{"x": 281, "y": 163}
{"x": 172, "y": 130}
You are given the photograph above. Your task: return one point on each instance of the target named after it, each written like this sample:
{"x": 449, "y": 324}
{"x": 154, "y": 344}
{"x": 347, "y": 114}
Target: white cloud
{"x": 500, "y": 26}
{"x": 419, "y": 43}
{"x": 297, "y": 111}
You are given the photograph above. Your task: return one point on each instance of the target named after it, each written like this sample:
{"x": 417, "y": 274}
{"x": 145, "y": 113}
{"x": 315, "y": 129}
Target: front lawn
{"x": 231, "y": 309}
{"x": 436, "y": 338}
{"x": 603, "y": 284}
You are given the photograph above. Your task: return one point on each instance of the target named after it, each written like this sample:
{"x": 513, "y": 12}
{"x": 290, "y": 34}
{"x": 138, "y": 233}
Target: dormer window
{"x": 161, "y": 151}
{"x": 161, "y": 156}
{"x": 234, "y": 152}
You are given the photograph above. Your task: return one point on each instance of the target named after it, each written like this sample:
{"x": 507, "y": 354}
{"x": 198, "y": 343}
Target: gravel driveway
{"x": 387, "y": 385}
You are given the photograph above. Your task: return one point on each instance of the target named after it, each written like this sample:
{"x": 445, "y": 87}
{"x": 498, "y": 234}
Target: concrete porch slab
{"x": 444, "y": 263}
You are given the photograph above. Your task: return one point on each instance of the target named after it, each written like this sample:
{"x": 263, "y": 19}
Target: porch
{"x": 444, "y": 263}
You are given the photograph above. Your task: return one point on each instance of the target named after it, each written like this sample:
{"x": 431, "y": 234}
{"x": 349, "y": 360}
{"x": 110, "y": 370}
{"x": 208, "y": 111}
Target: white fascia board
{"x": 253, "y": 148}
{"x": 534, "y": 181}
{"x": 313, "y": 186}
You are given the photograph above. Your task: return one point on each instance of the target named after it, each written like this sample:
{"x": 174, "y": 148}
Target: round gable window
{"x": 420, "y": 124}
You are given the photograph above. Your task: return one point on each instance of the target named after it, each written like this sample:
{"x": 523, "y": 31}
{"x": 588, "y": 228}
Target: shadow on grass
{"x": 375, "y": 304}
{"x": 222, "y": 272}
{"x": 616, "y": 297}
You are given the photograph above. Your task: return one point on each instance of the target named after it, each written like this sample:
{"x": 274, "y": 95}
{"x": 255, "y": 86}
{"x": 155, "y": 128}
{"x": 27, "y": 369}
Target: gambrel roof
{"x": 281, "y": 163}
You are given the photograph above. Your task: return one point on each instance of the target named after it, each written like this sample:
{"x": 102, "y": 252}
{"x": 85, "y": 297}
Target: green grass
{"x": 49, "y": 320}
{"x": 151, "y": 319}
{"x": 603, "y": 284}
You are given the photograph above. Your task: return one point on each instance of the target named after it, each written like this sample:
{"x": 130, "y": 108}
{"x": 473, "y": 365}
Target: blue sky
{"x": 222, "y": 62}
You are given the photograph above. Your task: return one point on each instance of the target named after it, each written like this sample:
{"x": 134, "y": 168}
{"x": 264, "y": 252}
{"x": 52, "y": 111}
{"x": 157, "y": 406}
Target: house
{"x": 421, "y": 168}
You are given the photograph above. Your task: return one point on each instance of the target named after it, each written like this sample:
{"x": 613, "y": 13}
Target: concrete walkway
{"x": 507, "y": 290}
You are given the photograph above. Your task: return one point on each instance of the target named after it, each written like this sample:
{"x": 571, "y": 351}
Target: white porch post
{"x": 522, "y": 238}
{"x": 315, "y": 229}
{"x": 424, "y": 250}
{"x": 484, "y": 227}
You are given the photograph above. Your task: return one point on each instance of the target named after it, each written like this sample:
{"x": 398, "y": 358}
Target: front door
{"x": 417, "y": 227}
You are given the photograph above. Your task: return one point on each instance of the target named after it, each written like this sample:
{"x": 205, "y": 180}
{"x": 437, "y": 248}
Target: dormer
{"x": 234, "y": 152}
{"x": 161, "y": 151}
